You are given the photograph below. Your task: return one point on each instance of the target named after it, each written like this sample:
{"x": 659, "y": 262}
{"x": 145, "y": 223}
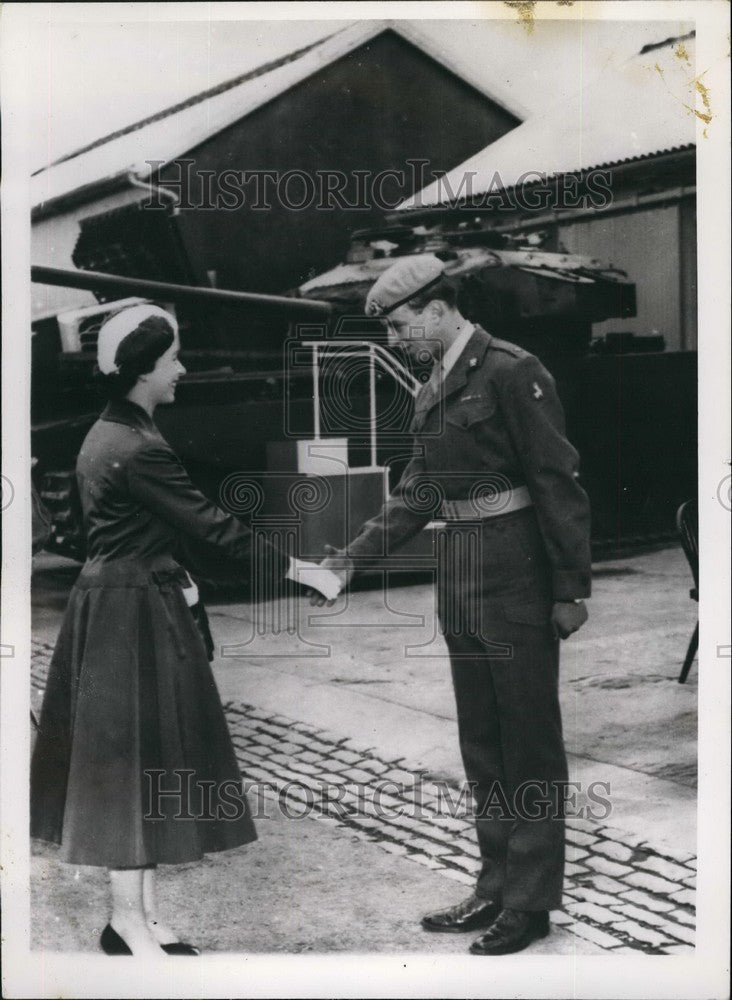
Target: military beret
{"x": 401, "y": 282}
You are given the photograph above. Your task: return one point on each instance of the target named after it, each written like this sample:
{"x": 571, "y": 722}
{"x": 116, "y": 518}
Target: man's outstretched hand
{"x": 339, "y": 564}
{"x": 567, "y": 617}
{"x": 316, "y": 578}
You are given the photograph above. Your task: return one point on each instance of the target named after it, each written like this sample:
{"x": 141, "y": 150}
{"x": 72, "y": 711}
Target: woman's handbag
{"x": 178, "y": 575}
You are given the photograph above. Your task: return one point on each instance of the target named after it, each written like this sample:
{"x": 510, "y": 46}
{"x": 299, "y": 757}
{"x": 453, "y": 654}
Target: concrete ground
{"x": 370, "y": 677}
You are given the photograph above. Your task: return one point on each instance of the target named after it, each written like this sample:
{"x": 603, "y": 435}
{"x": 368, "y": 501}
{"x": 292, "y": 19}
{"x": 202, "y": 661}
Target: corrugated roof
{"x": 175, "y": 131}
{"x": 642, "y": 108}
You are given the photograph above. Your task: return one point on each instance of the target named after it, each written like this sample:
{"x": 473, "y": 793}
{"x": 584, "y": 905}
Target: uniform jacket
{"x": 497, "y": 423}
{"x": 139, "y": 502}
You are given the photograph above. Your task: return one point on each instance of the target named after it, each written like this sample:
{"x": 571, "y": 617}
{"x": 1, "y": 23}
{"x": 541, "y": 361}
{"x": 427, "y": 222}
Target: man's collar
{"x": 456, "y": 348}
{"x": 470, "y": 358}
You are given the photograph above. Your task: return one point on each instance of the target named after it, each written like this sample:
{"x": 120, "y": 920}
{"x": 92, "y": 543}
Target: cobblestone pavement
{"x": 621, "y": 894}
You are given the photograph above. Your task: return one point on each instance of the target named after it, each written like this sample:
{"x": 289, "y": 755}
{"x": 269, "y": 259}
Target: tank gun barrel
{"x": 94, "y": 281}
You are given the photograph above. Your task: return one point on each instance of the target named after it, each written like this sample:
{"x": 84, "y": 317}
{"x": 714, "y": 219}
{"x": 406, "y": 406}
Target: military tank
{"x": 239, "y": 400}
{"x": 630, "y": 405}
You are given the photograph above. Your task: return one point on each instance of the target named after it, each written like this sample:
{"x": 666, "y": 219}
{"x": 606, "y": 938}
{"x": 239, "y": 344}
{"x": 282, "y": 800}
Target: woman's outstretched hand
{"x": 320, "y": 581}
{"x": 341, "y": 566}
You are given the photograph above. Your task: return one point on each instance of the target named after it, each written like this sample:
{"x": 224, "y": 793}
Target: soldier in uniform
{"x": 492, "y": 461}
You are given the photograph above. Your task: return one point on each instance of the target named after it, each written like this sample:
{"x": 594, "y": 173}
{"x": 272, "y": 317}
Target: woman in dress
{"x": 133, "y": 764}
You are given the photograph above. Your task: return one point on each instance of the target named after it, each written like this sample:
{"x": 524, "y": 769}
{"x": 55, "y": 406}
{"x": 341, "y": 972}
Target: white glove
{"x": 315, "y": 577}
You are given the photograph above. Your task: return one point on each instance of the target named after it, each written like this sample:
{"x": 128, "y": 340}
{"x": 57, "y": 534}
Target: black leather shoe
{"x": 179, "y": 948}
{"x": 469, "y": 915}
{"x": 112, "y": 943}
{"x": 512, "y": 930}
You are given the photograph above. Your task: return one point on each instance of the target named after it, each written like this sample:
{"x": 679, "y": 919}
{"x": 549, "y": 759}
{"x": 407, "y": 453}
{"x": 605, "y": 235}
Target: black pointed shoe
{"x": 512, "y": 930}
{"x": 469, "y": 915}
{"x": 179, "y": 948}
{"x": 112, "y": 943}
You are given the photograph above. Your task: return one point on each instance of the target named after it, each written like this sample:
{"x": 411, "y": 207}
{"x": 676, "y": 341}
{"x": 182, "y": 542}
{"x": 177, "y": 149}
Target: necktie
{"x": 427, "y": 396}
{"x": 432, "y": 386}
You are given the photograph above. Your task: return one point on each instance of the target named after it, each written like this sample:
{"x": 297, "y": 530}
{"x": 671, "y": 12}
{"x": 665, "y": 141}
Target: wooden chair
{"x": 687, "y": 524}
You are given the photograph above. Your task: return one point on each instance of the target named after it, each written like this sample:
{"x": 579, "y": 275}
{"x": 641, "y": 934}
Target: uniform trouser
{"x": 505, "y": 675}
{"x": 511, "y": 744}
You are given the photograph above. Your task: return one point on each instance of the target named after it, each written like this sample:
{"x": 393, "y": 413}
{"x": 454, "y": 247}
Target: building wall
{"x": 52, "y": 243}
{"x": 689, "y": 265}
{"x": 657, "y": 248}
{"x": 372, "y": 110}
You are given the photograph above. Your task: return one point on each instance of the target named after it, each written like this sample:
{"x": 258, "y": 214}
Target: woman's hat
{"x": 119, "y": 326}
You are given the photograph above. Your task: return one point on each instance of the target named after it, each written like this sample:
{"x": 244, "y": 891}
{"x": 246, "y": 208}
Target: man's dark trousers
{"x": 495, "y": 601}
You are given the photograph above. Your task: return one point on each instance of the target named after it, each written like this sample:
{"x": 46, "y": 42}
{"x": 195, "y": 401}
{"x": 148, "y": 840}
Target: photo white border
{"x": 703, "y": 975}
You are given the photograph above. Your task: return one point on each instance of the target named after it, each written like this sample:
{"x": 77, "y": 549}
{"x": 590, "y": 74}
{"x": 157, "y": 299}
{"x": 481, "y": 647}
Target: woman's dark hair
{"x": 136, "y": 355}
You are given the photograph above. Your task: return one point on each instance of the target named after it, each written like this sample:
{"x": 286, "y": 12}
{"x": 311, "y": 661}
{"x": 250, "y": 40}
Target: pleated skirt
{"x": 133, "y": 763}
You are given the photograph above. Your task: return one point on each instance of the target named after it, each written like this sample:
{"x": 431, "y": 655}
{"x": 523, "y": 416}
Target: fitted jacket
{"x": 140, "y": 504}
{"x": 496, "y": 424}
{"x": 130, "y": 694}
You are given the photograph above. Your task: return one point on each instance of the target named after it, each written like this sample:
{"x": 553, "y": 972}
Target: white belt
{"x": 486, "y": 506}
